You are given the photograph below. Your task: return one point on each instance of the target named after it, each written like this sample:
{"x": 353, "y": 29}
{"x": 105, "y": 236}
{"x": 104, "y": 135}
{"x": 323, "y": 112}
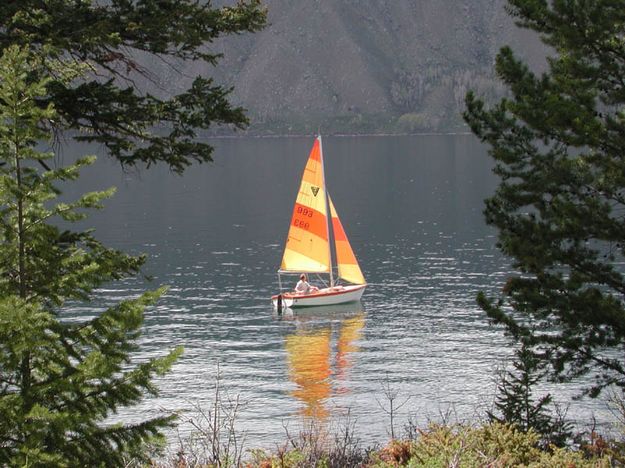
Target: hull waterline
{"x": 323, "y": 297}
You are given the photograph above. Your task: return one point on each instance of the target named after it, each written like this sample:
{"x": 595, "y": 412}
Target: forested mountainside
{"x": 368, "y": 66}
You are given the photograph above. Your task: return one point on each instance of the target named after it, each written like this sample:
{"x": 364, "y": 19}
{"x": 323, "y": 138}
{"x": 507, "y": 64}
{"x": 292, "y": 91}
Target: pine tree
{"x": 558, "y": 143}
{"x": 516, "y": 405}
{"x": 121, "y": 39}
{"x": 59, "y": 380}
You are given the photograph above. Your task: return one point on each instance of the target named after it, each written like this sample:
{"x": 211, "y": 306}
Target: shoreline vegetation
{"x": 352, "y": 125}
{"x": 218, "y": 440}
{"x": 334, "y": 134}
{"x": 225, "y": 133}
{"x": 437, "y": 444}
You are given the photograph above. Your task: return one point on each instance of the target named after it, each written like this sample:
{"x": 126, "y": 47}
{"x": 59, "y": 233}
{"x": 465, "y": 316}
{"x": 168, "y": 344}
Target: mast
{"x": 328, "y": 217}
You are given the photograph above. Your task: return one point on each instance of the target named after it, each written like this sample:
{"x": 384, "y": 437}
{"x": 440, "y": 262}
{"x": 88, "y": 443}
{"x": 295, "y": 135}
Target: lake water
{"x": 412, "y": 208}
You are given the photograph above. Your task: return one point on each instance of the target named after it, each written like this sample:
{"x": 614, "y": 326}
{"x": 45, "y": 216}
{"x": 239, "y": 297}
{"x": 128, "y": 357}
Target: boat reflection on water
{"x": 310, "y": 369}
{"x": 350, "y": 333}
{"x": 318, "y": 367}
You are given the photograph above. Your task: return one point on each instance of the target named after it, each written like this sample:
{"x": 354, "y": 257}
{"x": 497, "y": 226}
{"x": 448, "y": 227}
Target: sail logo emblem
{"x": 315, "y": 190}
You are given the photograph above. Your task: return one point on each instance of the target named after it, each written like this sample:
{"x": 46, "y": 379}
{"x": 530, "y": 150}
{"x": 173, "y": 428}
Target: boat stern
{"x": 279, "y": 301}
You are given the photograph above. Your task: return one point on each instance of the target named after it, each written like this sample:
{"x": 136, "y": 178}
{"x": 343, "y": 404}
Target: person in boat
{"x": 303, "y": 286}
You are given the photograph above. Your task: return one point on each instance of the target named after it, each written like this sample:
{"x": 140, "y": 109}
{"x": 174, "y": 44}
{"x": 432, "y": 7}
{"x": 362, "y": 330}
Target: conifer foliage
{"x": 59, "y": 380}
{"x": 123, "y": 39}
{"x": 515, "y": 403}
{"x": 559, "y": 146}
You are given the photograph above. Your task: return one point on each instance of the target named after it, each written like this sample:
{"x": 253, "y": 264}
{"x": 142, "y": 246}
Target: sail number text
{"x": 304, "y": 212}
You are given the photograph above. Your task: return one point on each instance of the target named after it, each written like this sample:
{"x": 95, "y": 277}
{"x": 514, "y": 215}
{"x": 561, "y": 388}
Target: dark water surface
{"x": 411, "y": 207}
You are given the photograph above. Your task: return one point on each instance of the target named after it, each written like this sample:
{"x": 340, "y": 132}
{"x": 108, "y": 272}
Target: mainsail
{"x": 308, "y": 243}
{"x": 348, "y": 268}
{"x": 307, "y": 246}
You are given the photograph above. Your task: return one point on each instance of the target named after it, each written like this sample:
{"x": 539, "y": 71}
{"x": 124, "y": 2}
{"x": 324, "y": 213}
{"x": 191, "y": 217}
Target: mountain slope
{"x": 348, "y": 65}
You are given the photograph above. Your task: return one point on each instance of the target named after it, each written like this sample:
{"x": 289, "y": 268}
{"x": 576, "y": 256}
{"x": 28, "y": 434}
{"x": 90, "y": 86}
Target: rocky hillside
{"x": 361, "y": 66}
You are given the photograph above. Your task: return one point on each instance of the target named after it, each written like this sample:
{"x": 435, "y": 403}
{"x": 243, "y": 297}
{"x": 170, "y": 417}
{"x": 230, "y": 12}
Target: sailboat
{"x": 308, "y": 247}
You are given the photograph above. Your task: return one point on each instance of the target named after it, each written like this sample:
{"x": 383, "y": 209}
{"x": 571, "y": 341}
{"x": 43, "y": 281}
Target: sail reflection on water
{"x": 317, "y": 373}
{"x": 309, "y": 369}
{"x": 350, "y": 333}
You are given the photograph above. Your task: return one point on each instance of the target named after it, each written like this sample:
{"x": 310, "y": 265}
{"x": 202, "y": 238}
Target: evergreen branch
{"x": 59, "y": 380}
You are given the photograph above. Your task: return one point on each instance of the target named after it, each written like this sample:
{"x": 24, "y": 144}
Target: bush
{"x": 494, "y": 445}
{"x": 412, "y": 123}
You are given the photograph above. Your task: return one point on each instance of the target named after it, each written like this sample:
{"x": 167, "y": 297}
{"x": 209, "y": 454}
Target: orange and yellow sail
{"x": 308, "y": 242}
{"x": 307, "y": 246}
{"x": 348, "y": 267}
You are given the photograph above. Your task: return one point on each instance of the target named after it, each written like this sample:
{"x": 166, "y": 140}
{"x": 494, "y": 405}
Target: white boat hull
{"x": 323, "y": 297}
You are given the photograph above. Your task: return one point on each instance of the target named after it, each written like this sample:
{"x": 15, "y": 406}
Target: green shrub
{"x": 494, "y": 445}
{"x": 412, "y": 123}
